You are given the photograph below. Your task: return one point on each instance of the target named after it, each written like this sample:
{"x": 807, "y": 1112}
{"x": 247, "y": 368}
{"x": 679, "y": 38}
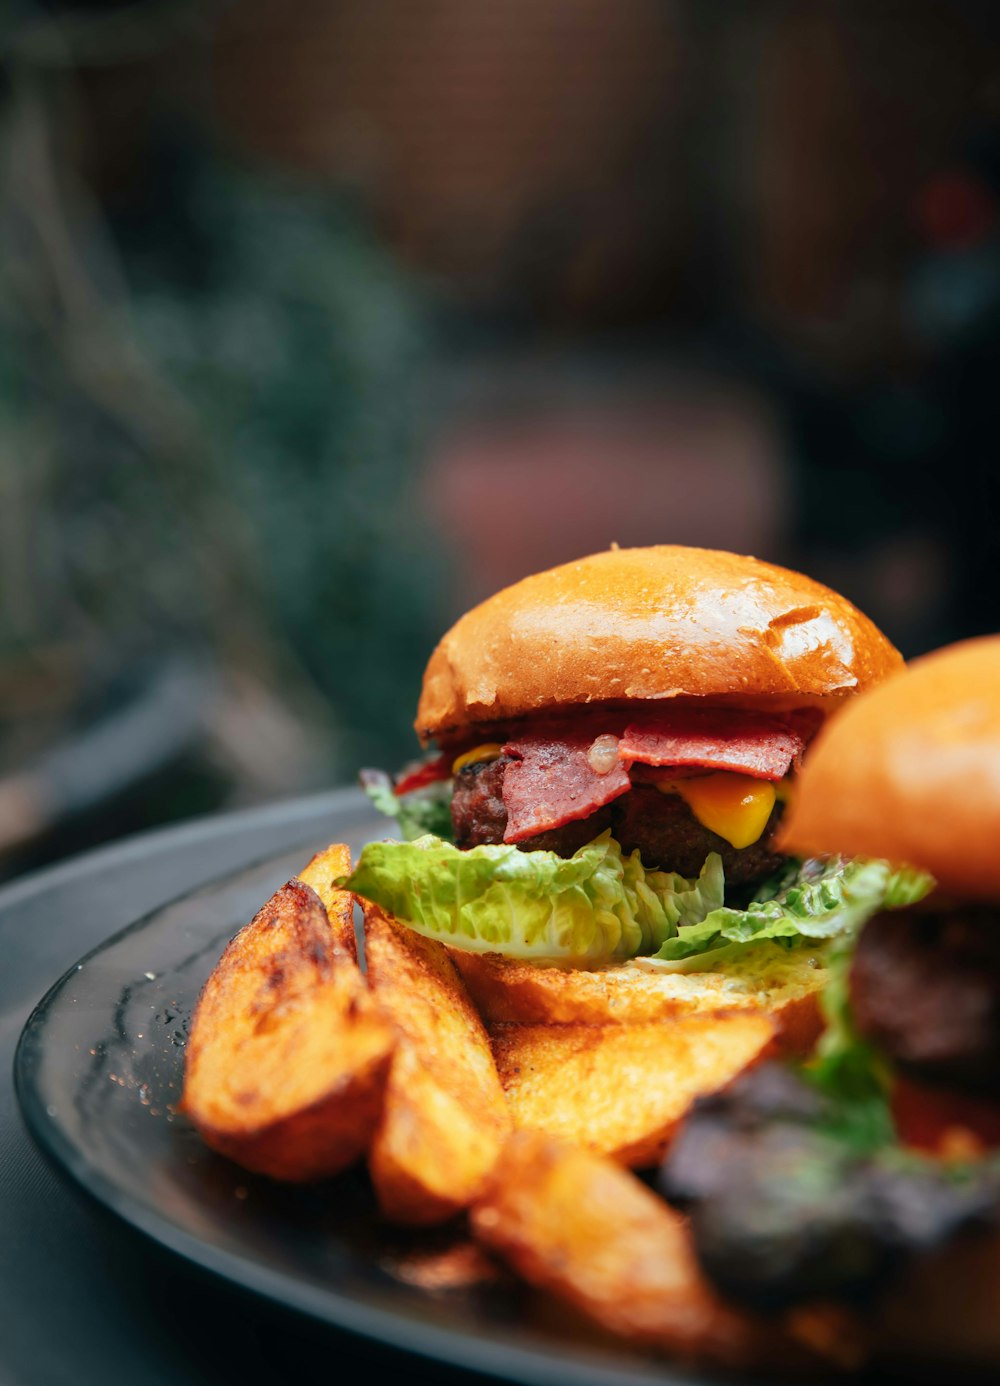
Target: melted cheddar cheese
{"x": 490, "y": 751}
{"x": 736, "y": 807}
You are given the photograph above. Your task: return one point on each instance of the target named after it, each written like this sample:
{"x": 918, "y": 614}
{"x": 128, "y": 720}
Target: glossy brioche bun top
{"x": 653, "y": 623}
{"x": 911, "y": 772}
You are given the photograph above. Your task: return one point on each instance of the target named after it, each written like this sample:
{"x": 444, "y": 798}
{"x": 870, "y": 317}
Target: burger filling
{"x": 793, "y": 1201}
{"x": 664, "y": 819}
{"x": 925, "y": 988}
{"x": 641, "y": 836}
{"x": 821, "y": 1181}
{"x": 674, "y": 786}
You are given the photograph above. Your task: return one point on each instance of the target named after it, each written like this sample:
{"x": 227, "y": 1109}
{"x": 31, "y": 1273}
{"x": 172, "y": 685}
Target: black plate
{"x": 98, "y": 1069}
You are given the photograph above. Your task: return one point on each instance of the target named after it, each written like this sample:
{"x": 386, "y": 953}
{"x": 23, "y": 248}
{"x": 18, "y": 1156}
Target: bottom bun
{"x": 945, "y": 1309}
{"x": 508, "y": 991}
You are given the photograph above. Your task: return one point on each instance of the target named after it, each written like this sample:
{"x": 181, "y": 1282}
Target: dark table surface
{"x": 84, "y": 1298}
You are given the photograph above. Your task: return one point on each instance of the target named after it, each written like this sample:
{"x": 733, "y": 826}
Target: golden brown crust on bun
{"x": 655, "y": 623}
{"x": 911, "y": 772}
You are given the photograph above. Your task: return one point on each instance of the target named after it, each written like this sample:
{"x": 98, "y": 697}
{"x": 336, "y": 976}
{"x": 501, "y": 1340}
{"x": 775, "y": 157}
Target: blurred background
{"x": 321, "y": 320}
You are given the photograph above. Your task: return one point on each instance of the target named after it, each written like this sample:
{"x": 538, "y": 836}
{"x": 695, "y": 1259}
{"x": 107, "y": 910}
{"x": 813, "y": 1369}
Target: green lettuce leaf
{"x": 812, "y": 901}
{"x": 846, "y": 1068}
{"x": 596, "y": 906}
{"x": 601, "y": 906}
{"x": 423, "y": 811}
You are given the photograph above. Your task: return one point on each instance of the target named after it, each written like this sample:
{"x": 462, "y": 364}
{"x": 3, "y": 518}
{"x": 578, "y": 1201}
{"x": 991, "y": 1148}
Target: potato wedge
{"x": 445, "y": 1117}
{"x": 289, "y": 1056}
{"x": 622, "y": 1089}
{"x": 506, "y": 990}
{"x": 579, "y": 1226}
{"x": 319, "y": 875}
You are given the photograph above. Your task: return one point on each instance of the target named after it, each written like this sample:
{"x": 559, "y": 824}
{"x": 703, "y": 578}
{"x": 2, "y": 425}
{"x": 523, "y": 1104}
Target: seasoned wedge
{"x": 506, "y": 990}
{"x": 622, "y": 1089}
{"x": 581, "y": 1227}
{"x": 445, "y": 1117}
{"x": 319, "y": 875}
{"x": 288, "y": 1057}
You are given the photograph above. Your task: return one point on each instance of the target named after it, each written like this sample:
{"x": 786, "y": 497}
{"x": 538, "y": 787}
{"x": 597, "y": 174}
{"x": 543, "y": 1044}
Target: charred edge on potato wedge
{"x": 288, "y": 1058}
{"x": 324, "y": 868}
{"x": 445, "y": 1116}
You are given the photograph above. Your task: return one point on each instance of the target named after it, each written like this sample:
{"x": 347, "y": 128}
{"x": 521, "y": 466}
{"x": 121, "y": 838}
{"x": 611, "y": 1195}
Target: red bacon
{"x": 764, "y": 745}
{"x": 932, "y": 1117}
{"x": 549, "y": 783}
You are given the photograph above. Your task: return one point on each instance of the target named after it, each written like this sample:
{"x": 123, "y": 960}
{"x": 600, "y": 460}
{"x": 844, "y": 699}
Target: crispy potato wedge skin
{"x": 509, "y": 991}
{"x": 622, "y": 1089}
{"x": 445, "y": 1117}
{"x": 579, "y": 1226}
{"x": 430, "y": 1156}
{"x": 798, "y": 1023}
{"x": 319, "y": 875}
{"x": 288, "y": 1058}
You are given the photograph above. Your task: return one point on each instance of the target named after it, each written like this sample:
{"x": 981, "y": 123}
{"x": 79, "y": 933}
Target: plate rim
{"x": 456, "y": 1347}
{"x": 123, "y": 850}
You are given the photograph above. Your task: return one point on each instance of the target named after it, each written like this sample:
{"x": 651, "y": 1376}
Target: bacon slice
{"x": 932, "y": 1118}
{"x": 760, "y": 744}
{"x": 549, "y": 783}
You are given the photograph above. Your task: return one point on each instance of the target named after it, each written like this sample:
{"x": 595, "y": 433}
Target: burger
{"x": 615, "y": 742}
{"x": 869, "y": 1176}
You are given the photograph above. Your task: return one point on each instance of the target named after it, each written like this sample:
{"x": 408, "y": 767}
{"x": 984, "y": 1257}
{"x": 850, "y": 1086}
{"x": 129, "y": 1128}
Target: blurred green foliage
{"x": 211, "y": 413}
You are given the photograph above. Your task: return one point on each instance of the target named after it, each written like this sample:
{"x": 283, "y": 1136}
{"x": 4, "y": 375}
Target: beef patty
{"x": 661, "y": 826}
{"x": 925, "y": 987}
